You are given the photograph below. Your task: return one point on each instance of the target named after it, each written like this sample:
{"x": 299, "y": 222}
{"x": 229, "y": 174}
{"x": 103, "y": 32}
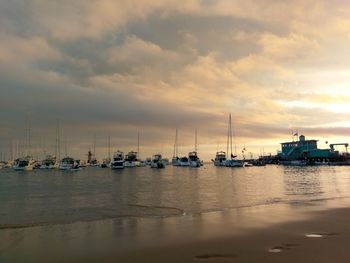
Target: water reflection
{"x": 52, "y": 197}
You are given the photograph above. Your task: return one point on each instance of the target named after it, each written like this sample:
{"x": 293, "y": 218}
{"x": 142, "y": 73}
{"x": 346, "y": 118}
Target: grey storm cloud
{"x": 116, "y": 67}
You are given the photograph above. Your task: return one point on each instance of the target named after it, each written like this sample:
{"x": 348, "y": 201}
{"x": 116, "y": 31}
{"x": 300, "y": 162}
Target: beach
{"x": 308, "y": 232}
{"x": 319, "y": 236}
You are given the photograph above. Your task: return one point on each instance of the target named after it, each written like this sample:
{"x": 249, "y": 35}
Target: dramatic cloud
{"x": 114, "y": 68}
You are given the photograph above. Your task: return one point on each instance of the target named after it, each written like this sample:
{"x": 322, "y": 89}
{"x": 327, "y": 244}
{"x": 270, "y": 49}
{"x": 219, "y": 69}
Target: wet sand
{"x": 320, "y": 236}
{"x": 303, "y": 232}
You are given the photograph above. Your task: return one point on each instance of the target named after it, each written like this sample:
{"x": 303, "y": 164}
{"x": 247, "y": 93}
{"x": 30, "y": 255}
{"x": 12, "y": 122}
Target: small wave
{"x": 180, "y": 212}
{"x": 158, "y": 207}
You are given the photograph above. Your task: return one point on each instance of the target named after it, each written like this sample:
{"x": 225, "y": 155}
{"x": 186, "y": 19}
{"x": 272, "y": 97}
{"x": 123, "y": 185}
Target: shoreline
{"x": 318, "y": 236}
{"x": 241, "y": 235}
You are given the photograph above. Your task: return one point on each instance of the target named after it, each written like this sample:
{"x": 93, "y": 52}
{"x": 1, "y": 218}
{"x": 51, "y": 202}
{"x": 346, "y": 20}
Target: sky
{"x": 116, "y": 68}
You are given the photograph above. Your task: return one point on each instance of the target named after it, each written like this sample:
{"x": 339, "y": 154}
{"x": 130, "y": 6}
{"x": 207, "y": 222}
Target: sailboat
{"x": 107, "y": 161}
{"x": 26, "y": 163}
{"x": 231, "y": 162}
{"x": 92, "y": 156}
{"x": 192, "y": 156}
{"x": 175, "y": 161}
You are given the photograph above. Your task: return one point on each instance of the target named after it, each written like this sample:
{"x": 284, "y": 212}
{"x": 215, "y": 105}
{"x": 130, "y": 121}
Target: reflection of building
{"x": 307, "y": 150}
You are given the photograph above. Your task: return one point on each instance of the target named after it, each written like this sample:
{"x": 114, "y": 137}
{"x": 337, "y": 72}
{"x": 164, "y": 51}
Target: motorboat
{"x": 157, "y": 161}
{"x": 220, "y": 159}
{"x": 24, "y": 164}
{"x": 118, "y": 160}
{"x": 175, "y": 161}
{"x": 184, "y": 161}
{"x": 194, "y": 160}
{"x": 105, "y": 163}
{"x": 49, "y": 162}
{"x": 69, "y": 164}
{"x": 131, "y": 159}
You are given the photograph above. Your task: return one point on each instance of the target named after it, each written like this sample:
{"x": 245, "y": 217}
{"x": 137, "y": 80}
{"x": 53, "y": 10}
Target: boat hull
{"x": 234, "y": 163}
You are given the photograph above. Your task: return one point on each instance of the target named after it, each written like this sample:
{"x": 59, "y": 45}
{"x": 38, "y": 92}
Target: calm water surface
{"x": 48, "y": 216}
{"x": 54, "y": 197}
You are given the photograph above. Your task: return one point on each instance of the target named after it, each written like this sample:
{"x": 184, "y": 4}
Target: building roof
{"x": 299, "y": 141}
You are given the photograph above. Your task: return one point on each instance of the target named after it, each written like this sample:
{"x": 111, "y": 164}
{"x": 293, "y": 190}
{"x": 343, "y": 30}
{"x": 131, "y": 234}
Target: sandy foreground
{"x": 309, "y": 232}
{"x": 319, "y": 236}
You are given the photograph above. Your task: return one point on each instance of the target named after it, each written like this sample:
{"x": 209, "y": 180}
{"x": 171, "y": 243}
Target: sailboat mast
{"x": 94, "y": 145}
{"x": 29, "y": 142}
{"x": 176, "y": 143}
{"x": 230, "y": 134}
{"x": 138, "y": 144}
{"x": 65, "y": 146}
{"x": 109, "y": 147}
{"x": 58, "y": 141}
{"x": 195, "y": 140}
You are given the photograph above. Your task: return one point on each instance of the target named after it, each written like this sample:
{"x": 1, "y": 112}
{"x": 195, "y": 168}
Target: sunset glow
{"x": 121, "y": 67}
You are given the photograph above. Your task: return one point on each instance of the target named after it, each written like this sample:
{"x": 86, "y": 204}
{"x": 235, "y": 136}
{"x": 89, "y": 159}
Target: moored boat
{"x": 118, "y": 160}
{"x": 49, "y": 162}
{"x": 24, "y": 164}
{"x": 69, "y": 164}
{"x": 157, "y": 161}
{"x": 220, "y": 159}
{"x": 131, "y": 159}
{"x": 184, "y": 161}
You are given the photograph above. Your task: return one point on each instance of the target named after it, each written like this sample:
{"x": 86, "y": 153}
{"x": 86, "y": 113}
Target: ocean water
{"x": 97, "y": 210}
{"x": 43, "y": 197}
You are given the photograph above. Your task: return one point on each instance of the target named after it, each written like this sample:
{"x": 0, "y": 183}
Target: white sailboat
{"x": 193, "y": 156}
{"x": 231, "y": 162}
{"x": 107, "y": 161}
{"x": 175, "y": 161}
